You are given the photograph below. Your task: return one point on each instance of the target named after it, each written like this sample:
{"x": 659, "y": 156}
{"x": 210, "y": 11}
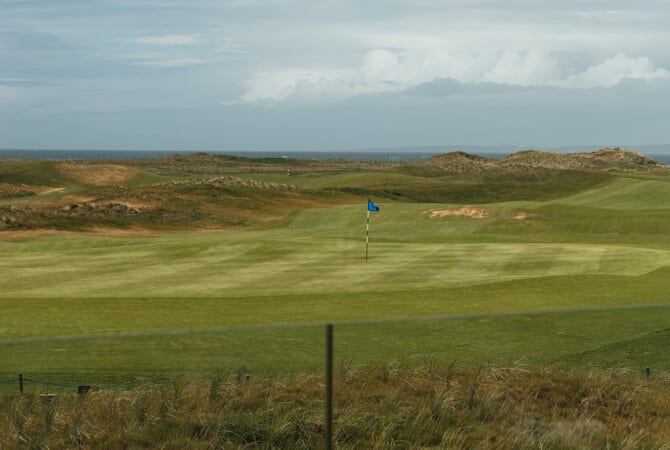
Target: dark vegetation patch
{"x": 640, "y": 347}
{"x": 11, "y": 190}
{"x": 203, "y": 163}
{"x": 30, "y": 172}
{"x": 492, "y": 186}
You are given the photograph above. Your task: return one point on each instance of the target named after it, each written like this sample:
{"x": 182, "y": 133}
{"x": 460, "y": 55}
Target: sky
{"x": 332, "y": 75}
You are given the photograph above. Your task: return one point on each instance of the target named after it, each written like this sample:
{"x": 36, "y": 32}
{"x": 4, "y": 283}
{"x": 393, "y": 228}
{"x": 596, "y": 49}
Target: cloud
{"x": 179, "y": 50}
{"x": 164, "y": 53}
{"x": 381, "y": 71}
{"x": 386, "y": 71}
{"x": 614, "y": 70}
{"x": 305, "y": 84}
{"x": 379, "y": 65}
{"x": 533, "y": 68}
{"x": 169, "y": 40}
{"x": 168, "y": 62}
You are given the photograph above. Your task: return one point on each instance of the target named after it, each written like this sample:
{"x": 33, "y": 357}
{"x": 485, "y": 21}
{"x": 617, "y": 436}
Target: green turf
{"x": 625, "y": 194}
{"x": 633, "y": 339}
{"x": 606, "y": 246}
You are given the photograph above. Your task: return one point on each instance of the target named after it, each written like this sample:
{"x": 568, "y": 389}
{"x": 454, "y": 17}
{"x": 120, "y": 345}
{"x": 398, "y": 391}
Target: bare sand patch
{"x": 466, "y": 211}
{"x": 47, "y": 190}
{"x": 97, "y": 174}
{"x": 520, "y": 216}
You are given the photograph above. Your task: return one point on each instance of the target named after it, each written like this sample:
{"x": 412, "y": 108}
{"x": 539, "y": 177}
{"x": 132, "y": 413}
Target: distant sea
{"x": 85, "y": 155}
{"x": 377, "y": 155}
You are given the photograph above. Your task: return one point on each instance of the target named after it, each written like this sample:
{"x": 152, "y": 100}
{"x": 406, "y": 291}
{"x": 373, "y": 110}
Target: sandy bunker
{"x": 466, "y": 211}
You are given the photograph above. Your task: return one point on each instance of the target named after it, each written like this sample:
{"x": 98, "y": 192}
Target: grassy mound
{"x": 606, "y": 159}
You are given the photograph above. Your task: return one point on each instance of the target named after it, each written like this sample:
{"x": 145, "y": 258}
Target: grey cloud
{"x": 529, "y": 118}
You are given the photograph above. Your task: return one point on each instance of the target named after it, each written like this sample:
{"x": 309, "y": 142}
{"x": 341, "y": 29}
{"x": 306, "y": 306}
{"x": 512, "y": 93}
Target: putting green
{"x": 319, "y": 252}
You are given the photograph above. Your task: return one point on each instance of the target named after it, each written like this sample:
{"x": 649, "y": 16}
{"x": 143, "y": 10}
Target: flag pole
{"x": 371, "y": 207}
{"x": 367, "y": 235}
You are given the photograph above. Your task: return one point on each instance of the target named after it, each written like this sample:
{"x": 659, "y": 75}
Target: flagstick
{"x": 367, "y": 234}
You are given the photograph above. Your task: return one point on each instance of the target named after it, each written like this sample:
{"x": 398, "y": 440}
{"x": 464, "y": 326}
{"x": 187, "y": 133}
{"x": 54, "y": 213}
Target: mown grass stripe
{"x": 406, "y": 320}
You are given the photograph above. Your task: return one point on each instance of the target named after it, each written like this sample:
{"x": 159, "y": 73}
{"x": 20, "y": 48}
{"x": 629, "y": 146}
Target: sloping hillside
{"x": 607, "y": 159}
{"x": 192, "y": 192}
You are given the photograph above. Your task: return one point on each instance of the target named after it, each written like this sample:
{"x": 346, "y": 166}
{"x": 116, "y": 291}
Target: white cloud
{"x": 613, "y": 70}
{"x": 379, "y": 65}
{"x": 169, "y": 40}
{"x": 279, "y": 85}
{"x": 383, "y": 71}
{"x": 533, "y": 68}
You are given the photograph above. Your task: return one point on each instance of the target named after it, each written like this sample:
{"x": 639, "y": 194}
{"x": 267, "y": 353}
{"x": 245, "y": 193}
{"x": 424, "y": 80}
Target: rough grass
{"x": 379, "y": 406}
{"x": 487, "y": 187}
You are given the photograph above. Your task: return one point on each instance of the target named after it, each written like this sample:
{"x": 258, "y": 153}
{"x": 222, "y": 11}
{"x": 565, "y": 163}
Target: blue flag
{"x": 372, "y": 206}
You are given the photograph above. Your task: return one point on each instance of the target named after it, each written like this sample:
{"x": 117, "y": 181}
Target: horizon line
{"x": 502, "y": 148}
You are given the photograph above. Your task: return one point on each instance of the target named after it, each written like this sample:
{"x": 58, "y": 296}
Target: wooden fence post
{"x": 329, "y": 386}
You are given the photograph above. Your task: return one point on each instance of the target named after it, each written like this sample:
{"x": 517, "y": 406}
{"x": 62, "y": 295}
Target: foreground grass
{"x": 381, "y": 406}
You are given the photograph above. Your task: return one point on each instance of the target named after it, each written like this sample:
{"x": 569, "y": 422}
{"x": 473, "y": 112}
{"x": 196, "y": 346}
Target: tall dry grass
{"x": 381, "y": 407}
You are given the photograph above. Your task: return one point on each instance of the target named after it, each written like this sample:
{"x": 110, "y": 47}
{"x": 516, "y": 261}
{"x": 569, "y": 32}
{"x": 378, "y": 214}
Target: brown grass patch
{"x": 384, "y": 406}
{"x": 97, "y": 174}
